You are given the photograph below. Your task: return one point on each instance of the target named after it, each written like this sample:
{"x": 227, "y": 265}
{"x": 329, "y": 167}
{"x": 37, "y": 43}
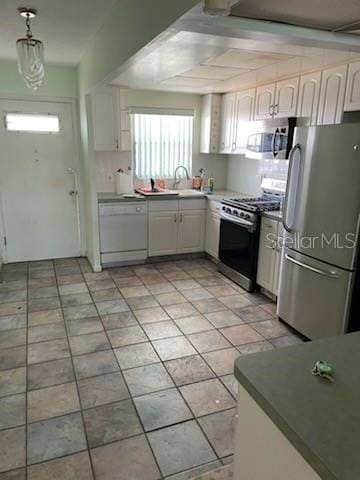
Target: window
{"x": 32, "y": 122}
{"x": 161, "y": 143}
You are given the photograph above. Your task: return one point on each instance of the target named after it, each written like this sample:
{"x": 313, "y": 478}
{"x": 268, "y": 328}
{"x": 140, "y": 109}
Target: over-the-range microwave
{"x": 270, "y": 139}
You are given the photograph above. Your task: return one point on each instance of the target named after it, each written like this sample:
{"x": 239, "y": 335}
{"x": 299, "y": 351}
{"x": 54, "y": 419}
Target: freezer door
{"x": 322, "y": 206}
{"x": 314, "y": 298}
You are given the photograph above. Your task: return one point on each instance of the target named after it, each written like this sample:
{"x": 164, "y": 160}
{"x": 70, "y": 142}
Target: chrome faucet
{"x": 177, "y": 181}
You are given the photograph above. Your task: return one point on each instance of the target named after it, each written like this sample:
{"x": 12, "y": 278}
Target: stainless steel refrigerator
{"x": 319, "y": 280}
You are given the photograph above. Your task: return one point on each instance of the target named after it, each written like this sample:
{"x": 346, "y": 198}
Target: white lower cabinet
{"x": 269, "y": 255}
{"x": 191, "y": 231}
{"x": 176, "y": 226}
{"x": 163, "y": 233}
{"x": 212, "y": 229}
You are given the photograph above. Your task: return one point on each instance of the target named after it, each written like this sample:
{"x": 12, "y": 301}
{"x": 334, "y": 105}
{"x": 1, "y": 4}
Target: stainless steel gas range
{"x": 240, "y": 231}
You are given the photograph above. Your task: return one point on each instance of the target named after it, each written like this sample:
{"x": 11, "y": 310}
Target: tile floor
{"x": 123, "y": 374}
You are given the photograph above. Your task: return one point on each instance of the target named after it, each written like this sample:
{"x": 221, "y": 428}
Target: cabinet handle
{"x": 276, "y": 109}
{"x": 175, "y": 217}
{"x": 117, "y": 144}
{"x": 234, "y": 145}
{"x": 181, "y": 217}
{"x": 271, "y": 111}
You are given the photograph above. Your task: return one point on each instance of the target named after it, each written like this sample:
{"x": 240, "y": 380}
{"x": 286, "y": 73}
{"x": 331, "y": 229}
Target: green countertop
{"x": 216, "y": 196}
{"x": 320, "y": 418}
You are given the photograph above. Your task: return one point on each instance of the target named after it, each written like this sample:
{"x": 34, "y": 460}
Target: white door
{"x": 191, "y": 231}
{"x": 244, "y": 111}
{"x": 309, "y": 92}
{"x": 227, "y": 123}
{"x": 332, "y": 95}
{"x": 286, "y": 97}
{"x": 163, "y": 231}
{"x": 264, "y": 105}
{"x": 38, "y": 185}
{"x": 212, "y": 233}
{"x": 352, "y": 97}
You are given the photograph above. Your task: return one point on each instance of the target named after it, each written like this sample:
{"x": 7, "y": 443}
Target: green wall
{"x": 60, "y": 81}
{"x": 129, "y": 26}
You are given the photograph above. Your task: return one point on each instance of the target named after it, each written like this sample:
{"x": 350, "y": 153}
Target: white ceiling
{"x": 205, "y": 63}
{"x": 65, "y": 26}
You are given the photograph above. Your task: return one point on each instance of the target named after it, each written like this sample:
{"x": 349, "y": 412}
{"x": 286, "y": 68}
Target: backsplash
{"x": 245, "y": 175}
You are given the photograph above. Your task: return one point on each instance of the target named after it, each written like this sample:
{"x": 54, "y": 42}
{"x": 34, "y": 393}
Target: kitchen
{"x": 136, "y": 302}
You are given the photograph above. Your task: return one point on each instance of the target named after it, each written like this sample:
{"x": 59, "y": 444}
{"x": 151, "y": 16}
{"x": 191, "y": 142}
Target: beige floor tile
{"x": 52, "y": 402}
{"x": 124, "y": 460}
{"x": 241, "y": 334}
{"x": 194, "y": 324}
{"x": 222, "y": 361}
{"x": 72, "y": 467}
{"x": 207, "y": 397}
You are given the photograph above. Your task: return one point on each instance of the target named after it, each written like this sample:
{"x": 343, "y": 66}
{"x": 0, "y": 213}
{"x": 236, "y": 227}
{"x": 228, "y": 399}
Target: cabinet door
{"x": 227, "y": 123}
{"x": 212, "y": 233}
{"x": 352, "y": 97}
{"x": 163, "y": 231}
{"x": 191, "y": 236}
{"x": 286, "y": 97}
{"x": 265, "y": 97}
{"x": 105, "y": 120}
{"x": 244, "y": 112}
{"x": 332, "y": 95}
{"x": 266, "y": 260}
{"x": 309, "y": 92}
{"x": 210, "y": 123}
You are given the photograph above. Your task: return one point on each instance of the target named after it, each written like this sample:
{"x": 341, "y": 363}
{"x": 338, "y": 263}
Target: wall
{"x": 60, "y": 81}
{"x": 214, "y": 165}
{"x": 130, "y": 25}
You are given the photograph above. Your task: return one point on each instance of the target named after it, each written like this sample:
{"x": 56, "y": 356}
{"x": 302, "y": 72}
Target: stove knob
{"x": 228, "y": 210}
{"x": 248, "y": 216}
{"x": 242, "y": 214}
{"x": 235, "y": 212}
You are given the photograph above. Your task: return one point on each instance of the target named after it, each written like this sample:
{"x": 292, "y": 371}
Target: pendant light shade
{"x": 30, "y": 52}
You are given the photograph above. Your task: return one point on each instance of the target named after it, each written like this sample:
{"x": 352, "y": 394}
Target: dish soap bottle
{"x": 211, "y": 182}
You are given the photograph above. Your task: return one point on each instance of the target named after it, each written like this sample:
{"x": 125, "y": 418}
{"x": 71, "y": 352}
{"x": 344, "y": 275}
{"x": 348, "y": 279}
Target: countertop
{"x": 320, "y": 418}
{"x": 274, "y": 215}
{"x": 216, "y": 196}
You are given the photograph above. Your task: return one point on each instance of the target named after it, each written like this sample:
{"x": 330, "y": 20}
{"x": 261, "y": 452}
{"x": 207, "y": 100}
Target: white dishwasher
{"x": 123, "y": 232}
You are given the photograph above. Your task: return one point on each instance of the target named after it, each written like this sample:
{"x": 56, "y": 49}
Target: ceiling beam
{"x": 237, "y": 27}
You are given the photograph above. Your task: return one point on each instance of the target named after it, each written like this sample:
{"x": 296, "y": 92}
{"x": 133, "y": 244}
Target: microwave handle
{"x": 274, "y": 152}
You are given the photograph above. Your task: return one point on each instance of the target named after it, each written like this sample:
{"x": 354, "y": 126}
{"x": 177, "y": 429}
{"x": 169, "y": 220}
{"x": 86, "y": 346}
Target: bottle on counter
{"x": 211, "y": 185}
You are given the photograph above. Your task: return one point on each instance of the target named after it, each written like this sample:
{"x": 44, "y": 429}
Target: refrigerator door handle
{"x": 286, "y": 200}
{"x": 325, "y": 273}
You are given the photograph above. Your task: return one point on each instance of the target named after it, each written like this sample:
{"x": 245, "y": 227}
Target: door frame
{"x": 80, "y": 204}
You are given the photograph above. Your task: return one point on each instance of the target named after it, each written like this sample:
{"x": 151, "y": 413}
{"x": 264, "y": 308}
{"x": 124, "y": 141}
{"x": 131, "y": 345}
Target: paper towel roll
{"x": 123, "y": 183}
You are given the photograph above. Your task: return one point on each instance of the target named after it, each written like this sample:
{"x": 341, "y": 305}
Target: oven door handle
{"x": 244, "y": 223}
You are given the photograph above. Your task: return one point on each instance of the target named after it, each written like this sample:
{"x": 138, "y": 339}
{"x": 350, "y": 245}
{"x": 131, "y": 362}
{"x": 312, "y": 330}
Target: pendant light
{"x": 30, "y": 53}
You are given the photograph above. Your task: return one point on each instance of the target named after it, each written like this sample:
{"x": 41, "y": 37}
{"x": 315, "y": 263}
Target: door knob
{"x": 73, "y": 193}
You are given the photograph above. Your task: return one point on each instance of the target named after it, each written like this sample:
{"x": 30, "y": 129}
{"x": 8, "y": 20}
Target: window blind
{"x": 161, "y": 142}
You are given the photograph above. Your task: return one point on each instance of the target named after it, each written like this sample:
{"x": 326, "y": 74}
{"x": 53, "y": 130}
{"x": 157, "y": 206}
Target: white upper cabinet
{"x": 332, "y": 95}
{"x": 106, "y": 119}
{"x": 286, "y": 97}
{"x": 210, "y": 123}
{"x": 243, "y": 112}
{"x": 227, "y": 123}
{"x": 264, "y": 104}
{"x": 111, "y": 120}
{"x": 352, "y": 98}
{"x": 309, "y": 92}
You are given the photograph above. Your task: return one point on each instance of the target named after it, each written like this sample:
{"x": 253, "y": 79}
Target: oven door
{"x": 238, "y": 252}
